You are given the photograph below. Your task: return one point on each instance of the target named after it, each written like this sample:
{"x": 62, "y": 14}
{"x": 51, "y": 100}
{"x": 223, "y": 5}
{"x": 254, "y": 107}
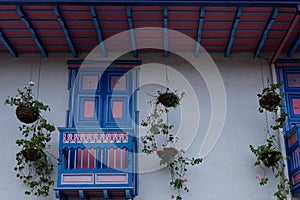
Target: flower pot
{"x": 269, "y": 101}
{"x": 168, "y": 99}
{"x": 167, "y": 154}
{"x": 31, "y": 154}
{"x": 26, "y": 115}
{"x": 271, "y": 158}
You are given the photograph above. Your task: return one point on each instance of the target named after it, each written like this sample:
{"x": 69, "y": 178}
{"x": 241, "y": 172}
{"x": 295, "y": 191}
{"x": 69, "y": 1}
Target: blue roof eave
{"x": 160, "y": 2}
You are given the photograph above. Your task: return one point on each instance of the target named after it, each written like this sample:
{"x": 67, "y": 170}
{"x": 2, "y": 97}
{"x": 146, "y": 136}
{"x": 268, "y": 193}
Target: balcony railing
{"x": 293, "y": 154}
{"x": 96, "y": 163}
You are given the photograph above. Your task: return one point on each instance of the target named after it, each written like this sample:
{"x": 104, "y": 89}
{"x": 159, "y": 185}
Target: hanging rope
{"x": 39, "y": 76}
{"x": 31, "y": 69}
{"x": 167, "y": 78}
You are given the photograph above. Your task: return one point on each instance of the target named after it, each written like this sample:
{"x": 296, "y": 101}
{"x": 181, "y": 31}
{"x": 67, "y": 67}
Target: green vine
{"x": 268, "y": 155}
{"x": 160, "y": 140}
{"x": 34, "y": 165}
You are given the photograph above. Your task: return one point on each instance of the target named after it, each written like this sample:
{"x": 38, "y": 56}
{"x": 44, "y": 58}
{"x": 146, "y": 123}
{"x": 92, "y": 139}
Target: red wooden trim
{"x": 285, "y": 38}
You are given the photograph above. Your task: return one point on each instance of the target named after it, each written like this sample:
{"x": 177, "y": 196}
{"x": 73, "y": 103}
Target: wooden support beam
{"x": 131, "y": 29}
{"x": 265, "y": 32}
{"x": 83, "y": 195}
{"x": 233, "y": 30}
{"x": 106, "y": 195}
{"x": 128, "y": 194}
{"x": 63, "y": 25}
{"x": 31, "y": 29}
{"x": 166, "y": 41}
{"x": 199, "y": 32}
{"x": 60, "y": 195}
{"x": 285, "y": 38}
{"x": 296, "y": 43}
{"x": 98, "y": 29}
{"x": 8, "y": 44}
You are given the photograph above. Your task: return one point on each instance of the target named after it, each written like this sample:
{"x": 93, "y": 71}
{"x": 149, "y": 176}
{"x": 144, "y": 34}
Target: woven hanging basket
{"x": 31, "y": 154}
{"x": 270, "y": 159}
{"x": 269, "y": 101}
{"x": 168, "y": 99}
{"x": 26, "y": 115}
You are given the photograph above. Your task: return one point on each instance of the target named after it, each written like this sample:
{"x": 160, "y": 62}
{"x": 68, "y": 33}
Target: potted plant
{"x": 168, "y": 98}
{"x": 269, "y": 99}
{"x": 160, "y": 140}
{"x": 167, "y": 155}
{"x": 268, "y": 155}
{"x": 34, "y": 165}
{"x": 28, "y": 108}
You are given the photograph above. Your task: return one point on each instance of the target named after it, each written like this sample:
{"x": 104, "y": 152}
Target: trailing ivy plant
{"x": 160, "y": 140}
{"x": 28, "y": 107}
{"x": 34, "y": 165}
{"x": 268, "y": 155}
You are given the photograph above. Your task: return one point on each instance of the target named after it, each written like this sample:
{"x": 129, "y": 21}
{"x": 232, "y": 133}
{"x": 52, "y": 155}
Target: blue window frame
{"x": 98, "y": 145}
{"x": 290, "y": 75}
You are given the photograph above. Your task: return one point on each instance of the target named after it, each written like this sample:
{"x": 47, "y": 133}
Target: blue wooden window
{"x": 290, "y": 75}
{"x": 98, "y": 144}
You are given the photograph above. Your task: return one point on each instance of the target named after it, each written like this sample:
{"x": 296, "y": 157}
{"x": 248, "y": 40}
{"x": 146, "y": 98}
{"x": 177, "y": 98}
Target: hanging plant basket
{"x": 167, "y": 154}
{"x": 32, "y": 154}
{"x": 26, "y": 115}
{"x": 270, "y": 101}
{"x": 168, "y": 99}
{"x": 271, "y": 158}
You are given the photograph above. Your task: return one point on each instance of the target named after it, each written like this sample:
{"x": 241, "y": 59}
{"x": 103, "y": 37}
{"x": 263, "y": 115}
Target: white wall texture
{"x": 227, "y": 173}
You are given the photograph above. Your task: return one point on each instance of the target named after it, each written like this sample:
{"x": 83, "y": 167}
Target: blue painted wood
{"x": 128, "y": 194}
{"x": 131, "y": 29}
{"x": 30, "y": 27}
{"x": 292, "y": 128}
{"x": 104, "y": 159}
{"x": 294, "y": 162}
{"x": 106, "y": 195}
{"x": 268, "y": 26}
{"x": 83, "y": 195}
{"x": 294, "y": 46}
{"x": 98, "y": 29}
{"x": 233, "y": 30}
{"x": 63, "y": 25}
{"x": 199, "y": 31}
{"x": 60, "y": 195}
{"x": 166, "y": 42}
{"x": 161, "y": 2}
{"x": 8, "y": 44}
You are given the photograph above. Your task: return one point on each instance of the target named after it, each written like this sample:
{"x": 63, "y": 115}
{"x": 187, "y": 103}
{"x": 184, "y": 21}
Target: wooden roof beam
{"x": 131, "y": 29}
{"x": 7, "y": 44}
{"x": 286, "y": 36}
{"x": 28, "y": 24}
{"x": 268, "y": 26}
{"x": 199, "y": 32}
{"x": 233, "y": 30}
{"x": 98, "y": 30}
{"x": 63, "y": 25}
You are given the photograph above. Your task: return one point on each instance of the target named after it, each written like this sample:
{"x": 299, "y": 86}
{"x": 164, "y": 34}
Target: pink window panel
{"x": 111, "y": 158}
{"x": 85, "y": 158}
{"x": 89, "y": 109}
{"x": 117, "y": 109}
{"x": 118, "y": 82}
{"x": 296, "y": 106}
{"x": 118, "y": 158}
{"x": 89, "y": 82}
{"x": 124, "y": 158}
{"x": 293, "y": 80}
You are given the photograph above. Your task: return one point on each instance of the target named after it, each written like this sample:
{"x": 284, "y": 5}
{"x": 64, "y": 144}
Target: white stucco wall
{"x": 227, "y": 173}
